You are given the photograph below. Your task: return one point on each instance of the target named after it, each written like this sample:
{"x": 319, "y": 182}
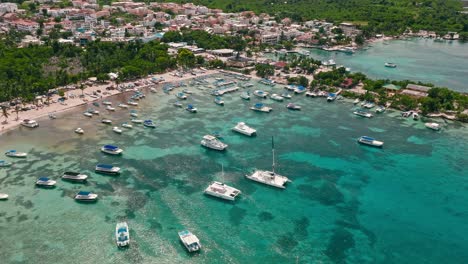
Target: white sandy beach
{"x": 56, "y": 107}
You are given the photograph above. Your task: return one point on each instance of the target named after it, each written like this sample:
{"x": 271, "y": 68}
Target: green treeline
{"x": 30, "y": 71}
{"x": 375, "y": 16}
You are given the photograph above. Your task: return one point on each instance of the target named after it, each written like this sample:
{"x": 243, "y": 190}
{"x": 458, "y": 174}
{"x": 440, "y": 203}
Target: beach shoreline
{"x": 74, "y": 101}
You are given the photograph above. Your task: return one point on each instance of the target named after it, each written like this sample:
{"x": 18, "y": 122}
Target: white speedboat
{"x": 133, "y": 113}
{"x": 286, "y": 95}
{"x": 123, "y": 106}
{"x": 415, "y": 116}
{"x": 127, "y": 125}
{"x": 260, "y": 93}
{"x": 52, "y": 116}
{"x": 110, "y": 108}
{"x": 107, "y": 103}
{"x": 137, "y": 121}
{"x": 311, "y": 94}
{"x": 29, "y": 123}
{"x": 83, "y": 196}
{"x": 219, "y": 101}
{"x": 212, "y": 142}
{"x": 191, "y": 108}
{"x": 187, "y": 91}
{"x": 365, "y": 140}
{"x": 132, "y": 103}
{"x": 276, "y": 97}
{"x": 106, "y": 121}
{"x": 74, "y": 176}
{"x": 45, "y": 182}
{"x": 242, "y": 128}
{"x": 149, "y": 123}
{"x": 380, "y": 109}
{"x": 79, "y": 131}
{"x": 261, "y": 108}
{"x": 107, "y": 169}
{"x": 433, "y": 126}
{"x": 356, "y": 101}
{"x": 190, "y": 241}
{"x": 4, "y": 163}
{"x": 245, "y": 95}
{"x": 181, "y": 96}
{"x": 88, "y": 114}
{"x": 222, "y": 191}
{"x": 293, "y": 106}
{"x": 117, "y": 130}
{"x": 177, "y": 104}
{"x": 3, "y": 196}
{"x": 153, "y": 90}
{"x": 390, "y": 65}
{"x": 369, "y": 105}
{"x": 269, "y": 177}
{"x": 122, "y": 234}
{"x": 15, "y": 154}
{"x": 331, "y": 97}
{"x": 363, "y": 113}
{"x": 111, "y": 149}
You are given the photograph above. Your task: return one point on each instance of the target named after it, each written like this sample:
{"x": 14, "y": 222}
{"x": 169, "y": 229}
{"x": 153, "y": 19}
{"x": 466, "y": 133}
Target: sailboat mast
{"x": 273, "y": 155}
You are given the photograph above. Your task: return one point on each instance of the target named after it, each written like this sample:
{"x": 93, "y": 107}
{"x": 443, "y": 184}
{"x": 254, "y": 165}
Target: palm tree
{"x": 5, "y": 114}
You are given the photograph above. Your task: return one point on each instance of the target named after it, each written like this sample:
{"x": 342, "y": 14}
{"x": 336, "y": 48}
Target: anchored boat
{"x": 365, "y": 140}
{"x": 190, "y": 241}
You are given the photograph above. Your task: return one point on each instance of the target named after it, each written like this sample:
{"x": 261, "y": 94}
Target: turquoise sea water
{"x": 441, "y": 63}
{"x": 405, "y": 203}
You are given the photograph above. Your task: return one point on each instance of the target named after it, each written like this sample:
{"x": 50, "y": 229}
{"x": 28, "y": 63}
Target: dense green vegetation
{"x": 388, "y": 16}
{"x": 30, "y": 71}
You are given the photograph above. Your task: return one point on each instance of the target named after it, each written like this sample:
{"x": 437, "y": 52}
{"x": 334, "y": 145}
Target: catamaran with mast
{"x": 269, "y": 177}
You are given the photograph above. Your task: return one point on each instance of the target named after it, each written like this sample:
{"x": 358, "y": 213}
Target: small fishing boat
{"x": 94, "y": 112}
{"x": 365, "y": 140}
{"x": 276, "y": 97}
{"x": 88, "y": 114}
{"x": 106, "y": 103}
{"x": 45, "y": 182}
{"x": 415, "y": 116}
{"x": 286, "y": 95}
{"x": 3, "y": 196}
{"x": 177, "y": 104}
{"x": 137, "y": 121}
{"x": 132, "y": 103}
{"x": 363, "y": 113}
{"x": 110, "y": 108}
{"x": 123, "y": 105}
{"x": 356, "y": 101}
{"x": 79, "y": 131}
{"x": 74, "y": 176}
{"x": 106, "y": 121}
{"x": 127, "y": 125}
{"x": 390, "y": 65}
{"x": 433, "y": 126}
{"x": 4, "y": 163}
{"x": 219, "y": 101}
{"x": 191, "y": 108}
{"x": 190, "y": 241}
{"x": 111, "y": 149}
{"x": 117, "y": 130}
{"x": 331, "y": 97}
{"x": 369, "y": 105}
{"x": 245, "y": 95}
{"x": 29, "y": 123}
{"x": 181, "y": 96}
{"x": 260, "y": 93}
{"x": 107, "y": 169}
{"x": 15, "y": 154}
{"x": 380, "y": 109}
{"x": 83, "y": 196}
{"x": 261, "y": 108}
{"x": 149, "y": 123}
{"x": 292, "y": 106}
{"x": 122, "y": 234}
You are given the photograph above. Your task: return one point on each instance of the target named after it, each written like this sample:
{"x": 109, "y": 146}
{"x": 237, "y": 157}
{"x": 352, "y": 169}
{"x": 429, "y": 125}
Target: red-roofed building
{"x": 347, "y": 83}
{"x": 280, "y": 64}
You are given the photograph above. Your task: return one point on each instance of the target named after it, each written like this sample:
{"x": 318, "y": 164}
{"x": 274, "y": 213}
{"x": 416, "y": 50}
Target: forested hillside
{"x": 390, "y": 16}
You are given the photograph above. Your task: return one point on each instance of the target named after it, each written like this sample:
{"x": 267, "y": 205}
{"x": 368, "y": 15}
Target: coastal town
{"x": 160, "y": 132}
